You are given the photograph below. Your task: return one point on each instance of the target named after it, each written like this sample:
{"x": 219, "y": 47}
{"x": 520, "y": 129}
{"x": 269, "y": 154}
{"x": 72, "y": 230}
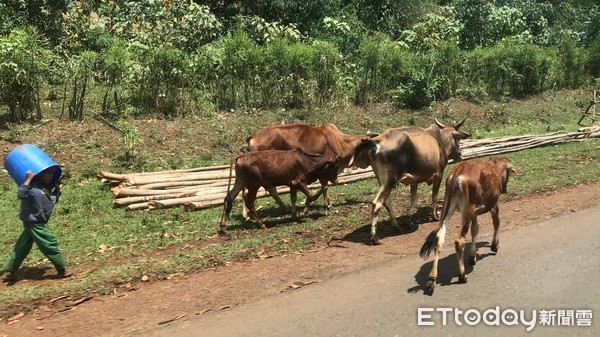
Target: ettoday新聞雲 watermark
{"x": 499, "y": 316}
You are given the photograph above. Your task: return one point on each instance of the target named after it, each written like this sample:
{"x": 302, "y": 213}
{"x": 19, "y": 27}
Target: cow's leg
{"x": 323, "y": 190}
{"x": 273, "y": 192}
{"x": 380, "y": 200}
{"x": 390, "y": 210}
{"x": 496, "y": 221}
{"x": 244, "y": 208}
{"x": 309, "y": 197}
{"x": 228, "y": 203}
{"x": 293, "y": 198}
{"x": 434, "y": 197}
{"x": 326, "y": 200}
{"x": 459, "y": 244}
{"x": 439, "y": 243}
{"x": 413, "y": 202}
{"x": 249, "y": 200}
{"x": 474, "y": 233}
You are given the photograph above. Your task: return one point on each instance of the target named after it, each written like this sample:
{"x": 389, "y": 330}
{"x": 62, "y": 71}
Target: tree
{"x": 473, "y": 15}
{"x": 45, "y": 15}
{"x": 390, "y": 16}
{"x": 433, "y": 30}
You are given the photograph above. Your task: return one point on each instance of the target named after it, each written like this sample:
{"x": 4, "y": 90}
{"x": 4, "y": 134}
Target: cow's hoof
{"x": 472, "y": 260}
{"x": 430, "y": 287}
{"x": 222, "y": 231}
{"x": 375, "y": 241}
{"x": 435, "y": 218}
{"x": 495, "y": 248}
{"x": 462, "y": 278}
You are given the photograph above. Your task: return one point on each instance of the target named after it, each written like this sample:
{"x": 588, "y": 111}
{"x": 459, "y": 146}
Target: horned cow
{"x": 410, "y": 156}
{"x": 472, "y": 187}
{"x": 269, "y": 169}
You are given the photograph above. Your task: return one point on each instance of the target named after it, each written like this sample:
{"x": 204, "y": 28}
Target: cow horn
{"x": 438, "y": 123}
{"x": 460, "y": 123}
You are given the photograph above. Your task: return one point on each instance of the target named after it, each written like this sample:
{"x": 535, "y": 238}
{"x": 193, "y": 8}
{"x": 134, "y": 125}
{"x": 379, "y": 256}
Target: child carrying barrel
{"x": 38, "y": 196}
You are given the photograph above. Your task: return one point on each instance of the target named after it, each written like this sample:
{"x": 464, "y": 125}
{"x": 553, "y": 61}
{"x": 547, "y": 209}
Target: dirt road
{"x": 214, "y": 292}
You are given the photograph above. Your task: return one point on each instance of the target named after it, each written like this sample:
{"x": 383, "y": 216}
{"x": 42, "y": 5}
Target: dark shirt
{"x": 37, "y": 202}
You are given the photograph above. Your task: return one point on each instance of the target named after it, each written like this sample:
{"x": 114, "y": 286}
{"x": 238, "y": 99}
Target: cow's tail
{"x": 429, "y": 244}
{"x": 228, "y": 202}
{"x": 365, "y": 145}
{"x": 450, "y": 203}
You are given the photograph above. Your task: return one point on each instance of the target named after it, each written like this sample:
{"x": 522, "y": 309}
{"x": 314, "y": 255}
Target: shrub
{"x": 160, "y": 80}
{"x": 79, "y": 71}
{"x": 593, "y": 58}
{"x": 509, "y": 69}
{"x": 288, "y": 72}
{"x": 115, "y": 70}
{"x": 327, "y": 68}
{"x": 569, "y": 71}
{"x": 242, "y": 59}
{"x": 24, "y": 64}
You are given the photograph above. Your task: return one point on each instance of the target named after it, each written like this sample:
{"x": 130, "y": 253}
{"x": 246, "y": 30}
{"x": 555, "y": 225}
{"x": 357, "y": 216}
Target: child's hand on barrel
{"x": 28, "y": 177}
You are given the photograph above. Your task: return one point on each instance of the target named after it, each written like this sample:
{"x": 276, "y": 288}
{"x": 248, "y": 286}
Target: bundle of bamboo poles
{"x": 205, "y": 187}
{"x": 196, "y": 188}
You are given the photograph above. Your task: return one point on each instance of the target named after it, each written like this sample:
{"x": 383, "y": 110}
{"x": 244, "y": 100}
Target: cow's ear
{"x": 516, "y": 171}
{"x": 461, "y": 135}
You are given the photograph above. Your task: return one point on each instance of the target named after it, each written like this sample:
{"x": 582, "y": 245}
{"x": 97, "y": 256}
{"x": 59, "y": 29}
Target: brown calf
{"x": 473, "y": 187}
{"x": 269, "y": 169}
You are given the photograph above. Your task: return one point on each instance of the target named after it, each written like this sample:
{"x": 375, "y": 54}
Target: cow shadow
{"x": 351, "y": 202}
{"x": 385, "y": 228}
{"x": 273, "y": 216}
{"x": 448, "y": 268}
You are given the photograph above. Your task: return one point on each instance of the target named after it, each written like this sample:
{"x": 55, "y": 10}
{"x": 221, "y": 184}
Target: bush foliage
{"x": 176, "y": 58}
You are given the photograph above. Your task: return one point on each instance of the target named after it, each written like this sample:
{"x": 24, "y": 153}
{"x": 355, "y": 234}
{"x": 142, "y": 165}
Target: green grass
{"x": 109, "y": 246}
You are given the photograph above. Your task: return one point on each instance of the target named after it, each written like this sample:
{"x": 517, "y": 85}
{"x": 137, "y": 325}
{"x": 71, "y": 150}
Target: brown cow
{"x": 326, "y": 139}
{"x": 410, "y": 156}
{"x": 269, "y": 169}
{"x": 473, "y": 187}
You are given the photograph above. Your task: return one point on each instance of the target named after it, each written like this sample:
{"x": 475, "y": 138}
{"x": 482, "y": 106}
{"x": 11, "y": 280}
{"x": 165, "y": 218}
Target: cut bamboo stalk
{"x": 153, "y": 186}
{"x": 133, "y": 200}
{"x": 141, "y": 205}
{"x": 108, "y": 175}
{"x": 178, "y": 177}
{"x": 132, "y": 192}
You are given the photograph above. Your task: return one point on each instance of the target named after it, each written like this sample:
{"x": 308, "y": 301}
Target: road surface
{"x": 552, "y": 267}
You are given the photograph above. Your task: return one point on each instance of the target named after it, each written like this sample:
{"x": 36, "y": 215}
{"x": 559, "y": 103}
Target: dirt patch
{"x": 145, "y": 306}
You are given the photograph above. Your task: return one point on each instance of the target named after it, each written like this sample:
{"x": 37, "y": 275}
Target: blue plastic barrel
{"x": 29, "y": 157}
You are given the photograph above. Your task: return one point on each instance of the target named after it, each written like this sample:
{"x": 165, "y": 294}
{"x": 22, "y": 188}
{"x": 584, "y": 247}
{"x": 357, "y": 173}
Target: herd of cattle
{"x": 297, "y": 155}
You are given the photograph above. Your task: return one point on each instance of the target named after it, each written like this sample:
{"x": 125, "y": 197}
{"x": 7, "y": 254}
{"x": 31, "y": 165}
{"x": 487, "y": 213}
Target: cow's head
{"x": 329, "y": 170}
{"x": 505, "y": 169}
{"x": 450, "y": 138}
